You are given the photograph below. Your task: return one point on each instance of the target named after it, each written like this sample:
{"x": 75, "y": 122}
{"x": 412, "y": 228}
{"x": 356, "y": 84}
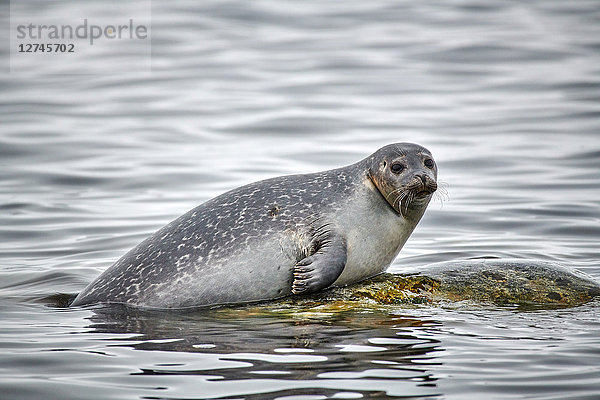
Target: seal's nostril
{"x": 423, "y": 178}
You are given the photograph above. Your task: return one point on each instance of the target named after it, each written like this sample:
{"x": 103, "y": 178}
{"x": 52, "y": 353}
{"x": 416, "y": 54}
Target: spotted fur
{"x": 254, "y": 242}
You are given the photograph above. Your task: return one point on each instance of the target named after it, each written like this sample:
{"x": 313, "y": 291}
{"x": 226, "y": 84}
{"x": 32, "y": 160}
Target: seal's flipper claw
{"x": 321, "y": 269}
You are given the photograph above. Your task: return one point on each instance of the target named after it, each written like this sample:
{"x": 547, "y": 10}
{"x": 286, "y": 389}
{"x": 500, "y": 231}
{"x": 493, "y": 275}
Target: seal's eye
{"x": 397, "y": 168}
{"x": 429, "y": 163}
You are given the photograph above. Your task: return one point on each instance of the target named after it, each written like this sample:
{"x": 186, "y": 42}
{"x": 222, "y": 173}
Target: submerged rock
{"x": 490, "y": 281}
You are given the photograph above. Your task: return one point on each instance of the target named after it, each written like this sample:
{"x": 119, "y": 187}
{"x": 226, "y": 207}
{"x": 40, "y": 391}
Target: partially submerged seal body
{"x": 501, "y": 282}
{"x": 288, "y": 235}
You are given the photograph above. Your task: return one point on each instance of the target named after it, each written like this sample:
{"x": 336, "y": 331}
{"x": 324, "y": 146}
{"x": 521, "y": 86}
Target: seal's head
{"x": 405, "y": 174}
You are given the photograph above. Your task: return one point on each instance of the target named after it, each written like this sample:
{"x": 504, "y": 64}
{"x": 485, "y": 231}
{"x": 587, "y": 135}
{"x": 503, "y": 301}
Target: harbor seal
{"x": 288, "y": 235}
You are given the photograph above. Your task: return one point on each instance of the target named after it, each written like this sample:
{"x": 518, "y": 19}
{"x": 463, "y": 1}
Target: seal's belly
{"x": 258, "y": 271}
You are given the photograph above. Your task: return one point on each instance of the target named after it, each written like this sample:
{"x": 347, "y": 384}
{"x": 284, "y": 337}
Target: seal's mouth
{"x": 423, "y": 193}
{"x": 415, "y": 194}
{"x": 402, "y": 199}
{"x": 424, "y": 188}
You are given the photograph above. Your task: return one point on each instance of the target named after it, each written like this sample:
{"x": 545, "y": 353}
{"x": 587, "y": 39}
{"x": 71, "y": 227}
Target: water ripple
{"x": 505, "y": 95}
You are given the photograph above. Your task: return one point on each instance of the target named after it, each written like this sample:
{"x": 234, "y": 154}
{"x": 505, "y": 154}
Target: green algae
{"x": 493, "y": 282}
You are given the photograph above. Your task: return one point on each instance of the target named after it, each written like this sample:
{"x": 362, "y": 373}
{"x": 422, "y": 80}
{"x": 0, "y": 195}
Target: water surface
{"x": 505, "y": 94}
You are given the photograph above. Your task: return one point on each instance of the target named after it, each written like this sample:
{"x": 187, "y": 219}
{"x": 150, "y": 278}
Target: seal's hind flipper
{"x": 322, "y": 268}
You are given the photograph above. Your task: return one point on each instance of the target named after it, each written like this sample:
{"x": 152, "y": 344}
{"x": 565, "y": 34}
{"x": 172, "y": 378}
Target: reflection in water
{"x": 337, "y": 350}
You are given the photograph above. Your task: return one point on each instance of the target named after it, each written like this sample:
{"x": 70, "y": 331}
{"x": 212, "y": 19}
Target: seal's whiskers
{"x": 392, "y": 192}
{"x": 399, "y": 199}
{"x": 441, "y": 193}
{"x": 411, "y": 197}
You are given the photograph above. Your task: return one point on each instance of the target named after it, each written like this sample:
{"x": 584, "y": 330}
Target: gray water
{"x": 506, "y": 94}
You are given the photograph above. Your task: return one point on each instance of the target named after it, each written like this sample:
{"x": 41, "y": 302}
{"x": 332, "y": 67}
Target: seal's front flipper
{"x": 322, "y": 268}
